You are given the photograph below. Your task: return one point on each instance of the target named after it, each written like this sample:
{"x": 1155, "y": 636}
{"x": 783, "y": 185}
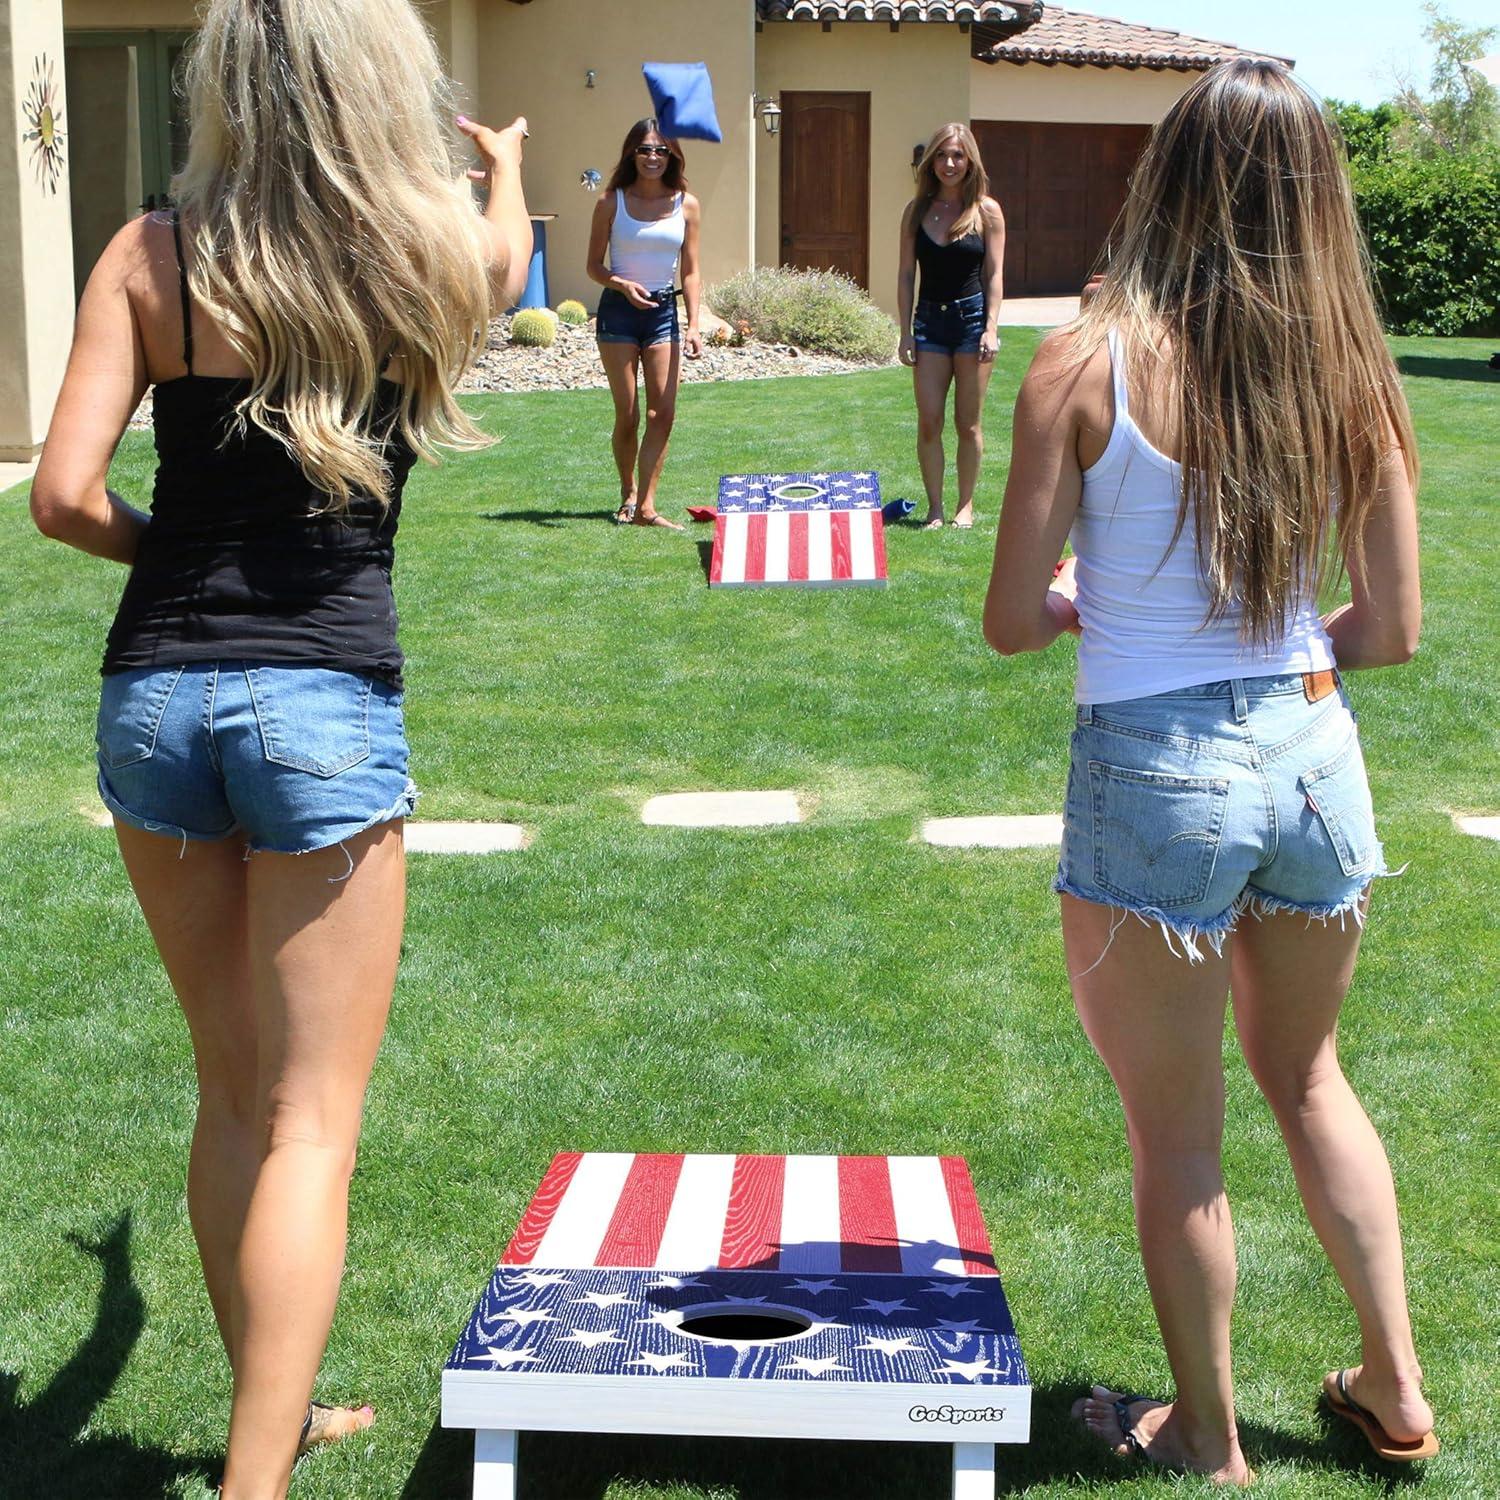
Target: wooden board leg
{"x": 973, "y": 1471}
{"x": 494, "y": 1465}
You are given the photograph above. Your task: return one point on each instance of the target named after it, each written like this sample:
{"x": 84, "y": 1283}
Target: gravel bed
{"x": 572, "y": 364}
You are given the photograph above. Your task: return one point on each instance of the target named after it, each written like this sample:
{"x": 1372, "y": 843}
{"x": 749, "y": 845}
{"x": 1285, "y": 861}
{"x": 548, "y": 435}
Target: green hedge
{"x": 1433, "y": 226}
{"x": 816, "y": 310}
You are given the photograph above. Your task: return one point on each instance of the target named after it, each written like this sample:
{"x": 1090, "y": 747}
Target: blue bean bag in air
{"x": 682, "y": 97}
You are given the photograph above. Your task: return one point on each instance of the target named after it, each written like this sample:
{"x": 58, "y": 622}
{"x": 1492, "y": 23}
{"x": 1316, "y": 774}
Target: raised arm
{"x": 994, "y": 277}
{"x": 1023, "y": 611}
{"x": 692, "y": 277}
{"x": 505, "y": 216}
{"x": 906, "y": 282}
{"x": 103, "y": 385}
{"x": 1380, "y": 625}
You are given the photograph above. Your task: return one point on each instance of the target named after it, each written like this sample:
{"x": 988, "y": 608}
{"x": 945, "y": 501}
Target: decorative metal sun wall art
{"x": 41, "y": 115}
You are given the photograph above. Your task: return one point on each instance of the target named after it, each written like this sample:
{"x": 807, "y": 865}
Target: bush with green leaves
{"x": 572, "y": 312}
{"x": 534, "y": 328}
{"x": 1433, "y": 226}
{"x": 820, "y": 311}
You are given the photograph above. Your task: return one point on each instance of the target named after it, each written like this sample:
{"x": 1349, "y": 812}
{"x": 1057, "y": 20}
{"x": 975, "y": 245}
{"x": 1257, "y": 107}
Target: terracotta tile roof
{"x": 1001, "y": 13}
{"x": 1082, "y": 40}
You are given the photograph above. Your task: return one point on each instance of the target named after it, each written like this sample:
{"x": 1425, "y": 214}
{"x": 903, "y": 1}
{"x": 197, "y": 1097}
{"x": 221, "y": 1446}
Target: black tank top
{"x": 950, "y": 271}
{"x": 237, "y": 563}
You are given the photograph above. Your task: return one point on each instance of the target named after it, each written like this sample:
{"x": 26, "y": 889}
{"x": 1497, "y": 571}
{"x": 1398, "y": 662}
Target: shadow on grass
{"x": 583, "y": 1466}
{"x": 706, "y": 557}
{"x": 49, "y": 1452}
{"x": 551, "y": 519}
{"x": 1430, "y": 367}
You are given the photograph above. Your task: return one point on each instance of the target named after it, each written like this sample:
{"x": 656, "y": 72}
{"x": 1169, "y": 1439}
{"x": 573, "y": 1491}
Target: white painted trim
{"x": 973, "y": 1471}
{"x": 494, "y": 1464}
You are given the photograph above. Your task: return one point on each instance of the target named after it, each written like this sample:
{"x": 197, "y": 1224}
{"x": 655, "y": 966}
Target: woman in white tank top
{"x": 1220, "y": 433}
{"x": 645, "y": 232}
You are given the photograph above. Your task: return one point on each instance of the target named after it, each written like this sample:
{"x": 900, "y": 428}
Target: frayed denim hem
{"x": 1260, "y": 904}
{"x": 150, "y": 825}
{"x": 402, "y": 807}
{"x": 1211, "y": 930}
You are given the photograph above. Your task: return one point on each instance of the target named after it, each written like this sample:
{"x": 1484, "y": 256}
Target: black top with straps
{"x": 951, "y": 270}
{"x": 241, "y": 561}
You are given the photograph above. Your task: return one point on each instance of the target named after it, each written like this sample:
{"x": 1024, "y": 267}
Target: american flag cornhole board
{"x": 746, "y": 1296}
{"x": 803, "y": 529}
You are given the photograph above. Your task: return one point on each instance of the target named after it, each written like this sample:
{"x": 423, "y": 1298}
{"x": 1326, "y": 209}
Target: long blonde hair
{"x": 1241, "y": 286}
{"x": 974, "y": 188}
{"x": 331, "y": 229}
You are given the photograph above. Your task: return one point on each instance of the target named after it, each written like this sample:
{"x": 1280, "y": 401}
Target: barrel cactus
{"x": 534, "y": 328}
{"x": 573, "y": 313}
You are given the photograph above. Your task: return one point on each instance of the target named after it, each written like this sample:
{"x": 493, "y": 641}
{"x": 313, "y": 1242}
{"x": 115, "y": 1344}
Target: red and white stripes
{"x": 809, "y": 547}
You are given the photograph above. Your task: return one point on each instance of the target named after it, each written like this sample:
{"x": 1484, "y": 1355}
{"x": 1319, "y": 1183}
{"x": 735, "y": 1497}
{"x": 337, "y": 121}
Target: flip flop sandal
{"x": 1342, "y": 1404}
{"x": 305, "y": 1440}
{"x": 625, "y": 515}
{"x": 1122, "y": 1405}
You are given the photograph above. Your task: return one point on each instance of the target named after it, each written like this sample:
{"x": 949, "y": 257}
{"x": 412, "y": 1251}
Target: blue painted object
{"x": 535, "y": 294}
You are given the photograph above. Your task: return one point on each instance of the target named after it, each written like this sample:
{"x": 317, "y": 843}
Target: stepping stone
{"x": 465, "y": 838}
{"x": 97, "y": 814}
{"x": 1038, "y": 831}
{"x": 1480, "y": 828}
{"x": 722, "y": 809}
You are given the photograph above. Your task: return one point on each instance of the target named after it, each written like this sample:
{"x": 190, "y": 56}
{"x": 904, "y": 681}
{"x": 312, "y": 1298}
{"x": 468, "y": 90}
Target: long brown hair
{"x": 975, "y": 186}
{"x": 626, "y": 172}
{"x": 331, "y": 228}
{"x": 1241, "y": 286}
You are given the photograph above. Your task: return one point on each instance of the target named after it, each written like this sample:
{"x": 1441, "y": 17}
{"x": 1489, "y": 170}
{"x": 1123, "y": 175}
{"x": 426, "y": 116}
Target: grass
{"x": 834, "y": 986}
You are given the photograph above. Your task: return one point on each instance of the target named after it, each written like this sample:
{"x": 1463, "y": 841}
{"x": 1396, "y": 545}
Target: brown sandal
{"x": 1342, "y": 1404}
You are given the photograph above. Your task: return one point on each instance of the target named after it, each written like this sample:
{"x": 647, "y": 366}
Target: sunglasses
{"x": 653, "y": 150}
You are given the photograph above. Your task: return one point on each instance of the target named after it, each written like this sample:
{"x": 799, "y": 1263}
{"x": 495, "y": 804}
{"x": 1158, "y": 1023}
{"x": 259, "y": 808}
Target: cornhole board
{"x": 803, "y": 529}
{"x": 745, "y": 1296}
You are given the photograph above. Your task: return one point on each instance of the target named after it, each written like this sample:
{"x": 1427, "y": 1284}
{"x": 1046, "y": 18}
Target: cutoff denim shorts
{"x": 949, "y": 327}
{"x": 620, "y": 321}
{"x": 288, "y": 758}
{"x": 1190, "y": 807}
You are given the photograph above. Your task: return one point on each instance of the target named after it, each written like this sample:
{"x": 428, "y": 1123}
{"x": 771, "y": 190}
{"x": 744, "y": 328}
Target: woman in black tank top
{"x": 251, "y": 702}
{"x": 953, "y": 233}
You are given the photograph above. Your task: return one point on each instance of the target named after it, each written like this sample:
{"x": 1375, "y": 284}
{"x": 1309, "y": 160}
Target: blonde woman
{"x": 302, "y": 318}
{"x": 1220, "y": 433}
{"x": 954, "y": 233}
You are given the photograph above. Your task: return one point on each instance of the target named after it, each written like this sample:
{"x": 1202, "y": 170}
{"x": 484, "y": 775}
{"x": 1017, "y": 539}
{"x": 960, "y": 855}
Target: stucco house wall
{"x": 1088, "y": 96}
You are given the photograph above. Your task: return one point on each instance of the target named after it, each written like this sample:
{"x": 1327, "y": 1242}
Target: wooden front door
{"x": 825, "y": 182}
{"x": 1061, "y": 187}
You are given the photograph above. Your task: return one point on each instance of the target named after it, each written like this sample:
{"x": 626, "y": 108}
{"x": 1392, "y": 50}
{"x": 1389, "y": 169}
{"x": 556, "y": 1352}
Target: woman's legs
{"x": 1290, "y": 976}
{"x": 621, "y": 363}
{"x": 1158, "y": 1024}
{"x": 323, "y": 952}
{"x": 971, "y": 379}
{"x": 193, "y": 898}
{"x": 661, "y": 365}
{"x": 931, "y": 376}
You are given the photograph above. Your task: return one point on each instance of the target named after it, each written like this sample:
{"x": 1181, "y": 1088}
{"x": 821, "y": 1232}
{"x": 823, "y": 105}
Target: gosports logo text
{"x": 957, "y": 1414}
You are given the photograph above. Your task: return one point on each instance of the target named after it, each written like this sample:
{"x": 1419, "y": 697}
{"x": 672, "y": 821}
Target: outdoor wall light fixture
{"x": 588, "y": 78}
{"x": 769, "y": 111}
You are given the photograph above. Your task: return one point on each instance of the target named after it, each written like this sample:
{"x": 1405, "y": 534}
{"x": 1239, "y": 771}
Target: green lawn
{"x": 830, "y": 987}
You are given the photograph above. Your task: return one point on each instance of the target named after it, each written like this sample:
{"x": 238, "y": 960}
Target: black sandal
{"x": 1122, "y": 1405}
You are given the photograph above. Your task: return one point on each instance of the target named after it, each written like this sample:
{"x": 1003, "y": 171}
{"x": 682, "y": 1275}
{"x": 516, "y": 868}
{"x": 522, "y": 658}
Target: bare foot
{"x": 327, "y": 1424}
{"x": 655, "y": 518}
{"x": 934, "y": 521}
{"x": 1396, "y": 1403}
{"x": 1148, "y": 1431}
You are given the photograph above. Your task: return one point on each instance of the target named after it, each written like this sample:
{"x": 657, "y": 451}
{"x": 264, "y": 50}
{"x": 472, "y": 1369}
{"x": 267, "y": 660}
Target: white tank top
{"x": 1142, "y": 606}
{"x": 646, "y": 250}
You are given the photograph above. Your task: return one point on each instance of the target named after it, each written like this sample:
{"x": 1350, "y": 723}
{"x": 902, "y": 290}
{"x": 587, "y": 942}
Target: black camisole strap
{"x": 182, "y": 285}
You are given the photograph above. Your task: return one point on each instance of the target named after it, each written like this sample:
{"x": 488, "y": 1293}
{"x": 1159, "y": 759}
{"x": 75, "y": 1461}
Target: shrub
{"x": 816, "y": 310}
{"x": 573, "y": 313}
{"x": 1433, "y": 225}
{"x": 534, "y": 328}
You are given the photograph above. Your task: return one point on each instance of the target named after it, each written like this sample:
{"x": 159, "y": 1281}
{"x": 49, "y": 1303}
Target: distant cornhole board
{"x": 745, "y": 1296}
{"x": 812, "y": 529}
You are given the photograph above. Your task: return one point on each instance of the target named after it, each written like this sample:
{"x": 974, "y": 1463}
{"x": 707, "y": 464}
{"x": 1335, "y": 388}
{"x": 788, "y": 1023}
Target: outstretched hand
{"x": 501, "y": 149}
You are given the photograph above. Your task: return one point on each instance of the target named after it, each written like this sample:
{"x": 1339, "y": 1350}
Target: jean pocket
{"x": 312, "y": 718}
{"x": 1338, "y": 791}
{"x": 131, "y": 706}
{"x": 1156, "y": 836}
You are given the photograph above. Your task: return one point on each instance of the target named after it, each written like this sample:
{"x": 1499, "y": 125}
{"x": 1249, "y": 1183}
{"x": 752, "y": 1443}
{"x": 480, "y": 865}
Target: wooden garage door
{"x": 1061, "y": 187}
{"x": 825, "y": 182}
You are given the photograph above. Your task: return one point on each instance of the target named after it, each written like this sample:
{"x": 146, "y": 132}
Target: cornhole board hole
{"x": 745, "y": 1296}
{"x": 805, "y": 530}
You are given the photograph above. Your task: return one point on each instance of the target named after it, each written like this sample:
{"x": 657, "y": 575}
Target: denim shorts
{"x": 288, "y": 758}
{"x": 1189, "y": 807}
{"x": 620, "y": 321}
{"x": 949, "y": 327}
